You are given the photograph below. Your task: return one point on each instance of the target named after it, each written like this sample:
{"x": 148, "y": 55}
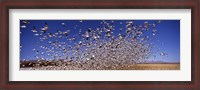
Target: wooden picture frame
{"x": 100, "y": 4}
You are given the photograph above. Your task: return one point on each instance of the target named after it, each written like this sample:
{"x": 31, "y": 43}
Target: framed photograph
{"x": 129, "y": 44}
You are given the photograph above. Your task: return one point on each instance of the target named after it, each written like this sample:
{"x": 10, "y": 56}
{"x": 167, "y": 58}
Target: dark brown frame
{"x": 96, "y": 4}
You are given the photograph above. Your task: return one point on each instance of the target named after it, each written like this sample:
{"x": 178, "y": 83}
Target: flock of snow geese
{"x": 97, "y": 49}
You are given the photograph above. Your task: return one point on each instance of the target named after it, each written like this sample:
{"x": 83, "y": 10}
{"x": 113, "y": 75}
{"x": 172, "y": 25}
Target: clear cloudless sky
{"x": 167, "y": 39}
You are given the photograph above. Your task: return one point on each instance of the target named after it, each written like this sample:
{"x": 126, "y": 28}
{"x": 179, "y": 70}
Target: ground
{"x": 153, "y": 67}
{"x": 131, "y": 67}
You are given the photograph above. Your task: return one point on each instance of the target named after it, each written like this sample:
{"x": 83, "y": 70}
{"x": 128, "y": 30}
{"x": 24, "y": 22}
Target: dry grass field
{"x": 153, "y": 67}
{"x": 59, "y": 65}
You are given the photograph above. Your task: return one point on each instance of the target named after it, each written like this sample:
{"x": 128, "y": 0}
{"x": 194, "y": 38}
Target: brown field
{"x": 153, "y": 67}
{"x": 62, "y": 66}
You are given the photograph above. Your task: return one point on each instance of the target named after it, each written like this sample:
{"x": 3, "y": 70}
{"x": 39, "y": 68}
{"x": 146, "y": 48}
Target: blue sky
{"x": 167, "y": 39}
